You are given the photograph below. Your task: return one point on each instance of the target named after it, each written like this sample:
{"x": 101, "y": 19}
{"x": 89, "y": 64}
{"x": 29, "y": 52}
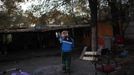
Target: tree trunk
{"x": 93, "y": 8}
{"x": 115, "y": 16}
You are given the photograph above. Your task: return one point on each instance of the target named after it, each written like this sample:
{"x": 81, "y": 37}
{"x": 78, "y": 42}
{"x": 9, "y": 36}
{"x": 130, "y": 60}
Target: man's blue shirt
{"x": 67, "y": 44}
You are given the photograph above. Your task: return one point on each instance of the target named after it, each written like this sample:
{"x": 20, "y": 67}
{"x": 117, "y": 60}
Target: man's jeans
{"x": 66, "y": 61}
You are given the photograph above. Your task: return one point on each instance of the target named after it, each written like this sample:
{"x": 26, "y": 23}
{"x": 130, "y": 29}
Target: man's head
{"x": 64, "y": 34}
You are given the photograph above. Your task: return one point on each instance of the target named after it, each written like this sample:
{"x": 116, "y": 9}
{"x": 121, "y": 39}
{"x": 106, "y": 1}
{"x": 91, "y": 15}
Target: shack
{"x": 35, "y": 38}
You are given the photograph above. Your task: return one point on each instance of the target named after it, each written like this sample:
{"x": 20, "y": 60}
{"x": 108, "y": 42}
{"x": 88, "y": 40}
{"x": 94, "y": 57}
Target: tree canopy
{"x": 24, "y": 13}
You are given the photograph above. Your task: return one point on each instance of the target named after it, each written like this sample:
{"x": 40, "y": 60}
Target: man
{"x": 67, "y": 46}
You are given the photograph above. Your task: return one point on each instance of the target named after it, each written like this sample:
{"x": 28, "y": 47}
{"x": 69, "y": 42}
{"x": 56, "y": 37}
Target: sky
{"x": 28, "y": 3}
{"x": 46, "y": 6}
{"x": 1, "y": 3}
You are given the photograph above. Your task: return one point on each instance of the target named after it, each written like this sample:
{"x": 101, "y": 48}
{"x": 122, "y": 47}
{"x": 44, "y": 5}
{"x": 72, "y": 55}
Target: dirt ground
{"x": 49, "y": 63}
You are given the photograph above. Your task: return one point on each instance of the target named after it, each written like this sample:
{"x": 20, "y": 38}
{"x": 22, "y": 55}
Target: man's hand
{"x": 57, "y": 34}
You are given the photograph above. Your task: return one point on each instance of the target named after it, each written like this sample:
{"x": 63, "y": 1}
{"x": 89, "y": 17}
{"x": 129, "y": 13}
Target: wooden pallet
{"x": 89, "y": 55}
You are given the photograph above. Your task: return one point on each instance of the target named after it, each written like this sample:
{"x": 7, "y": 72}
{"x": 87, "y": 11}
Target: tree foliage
{"x": 59, "y": 11}
{"x": 119, "y": 10}
{"x": 12, "y": 16}
{"x": 43, "y": 12}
